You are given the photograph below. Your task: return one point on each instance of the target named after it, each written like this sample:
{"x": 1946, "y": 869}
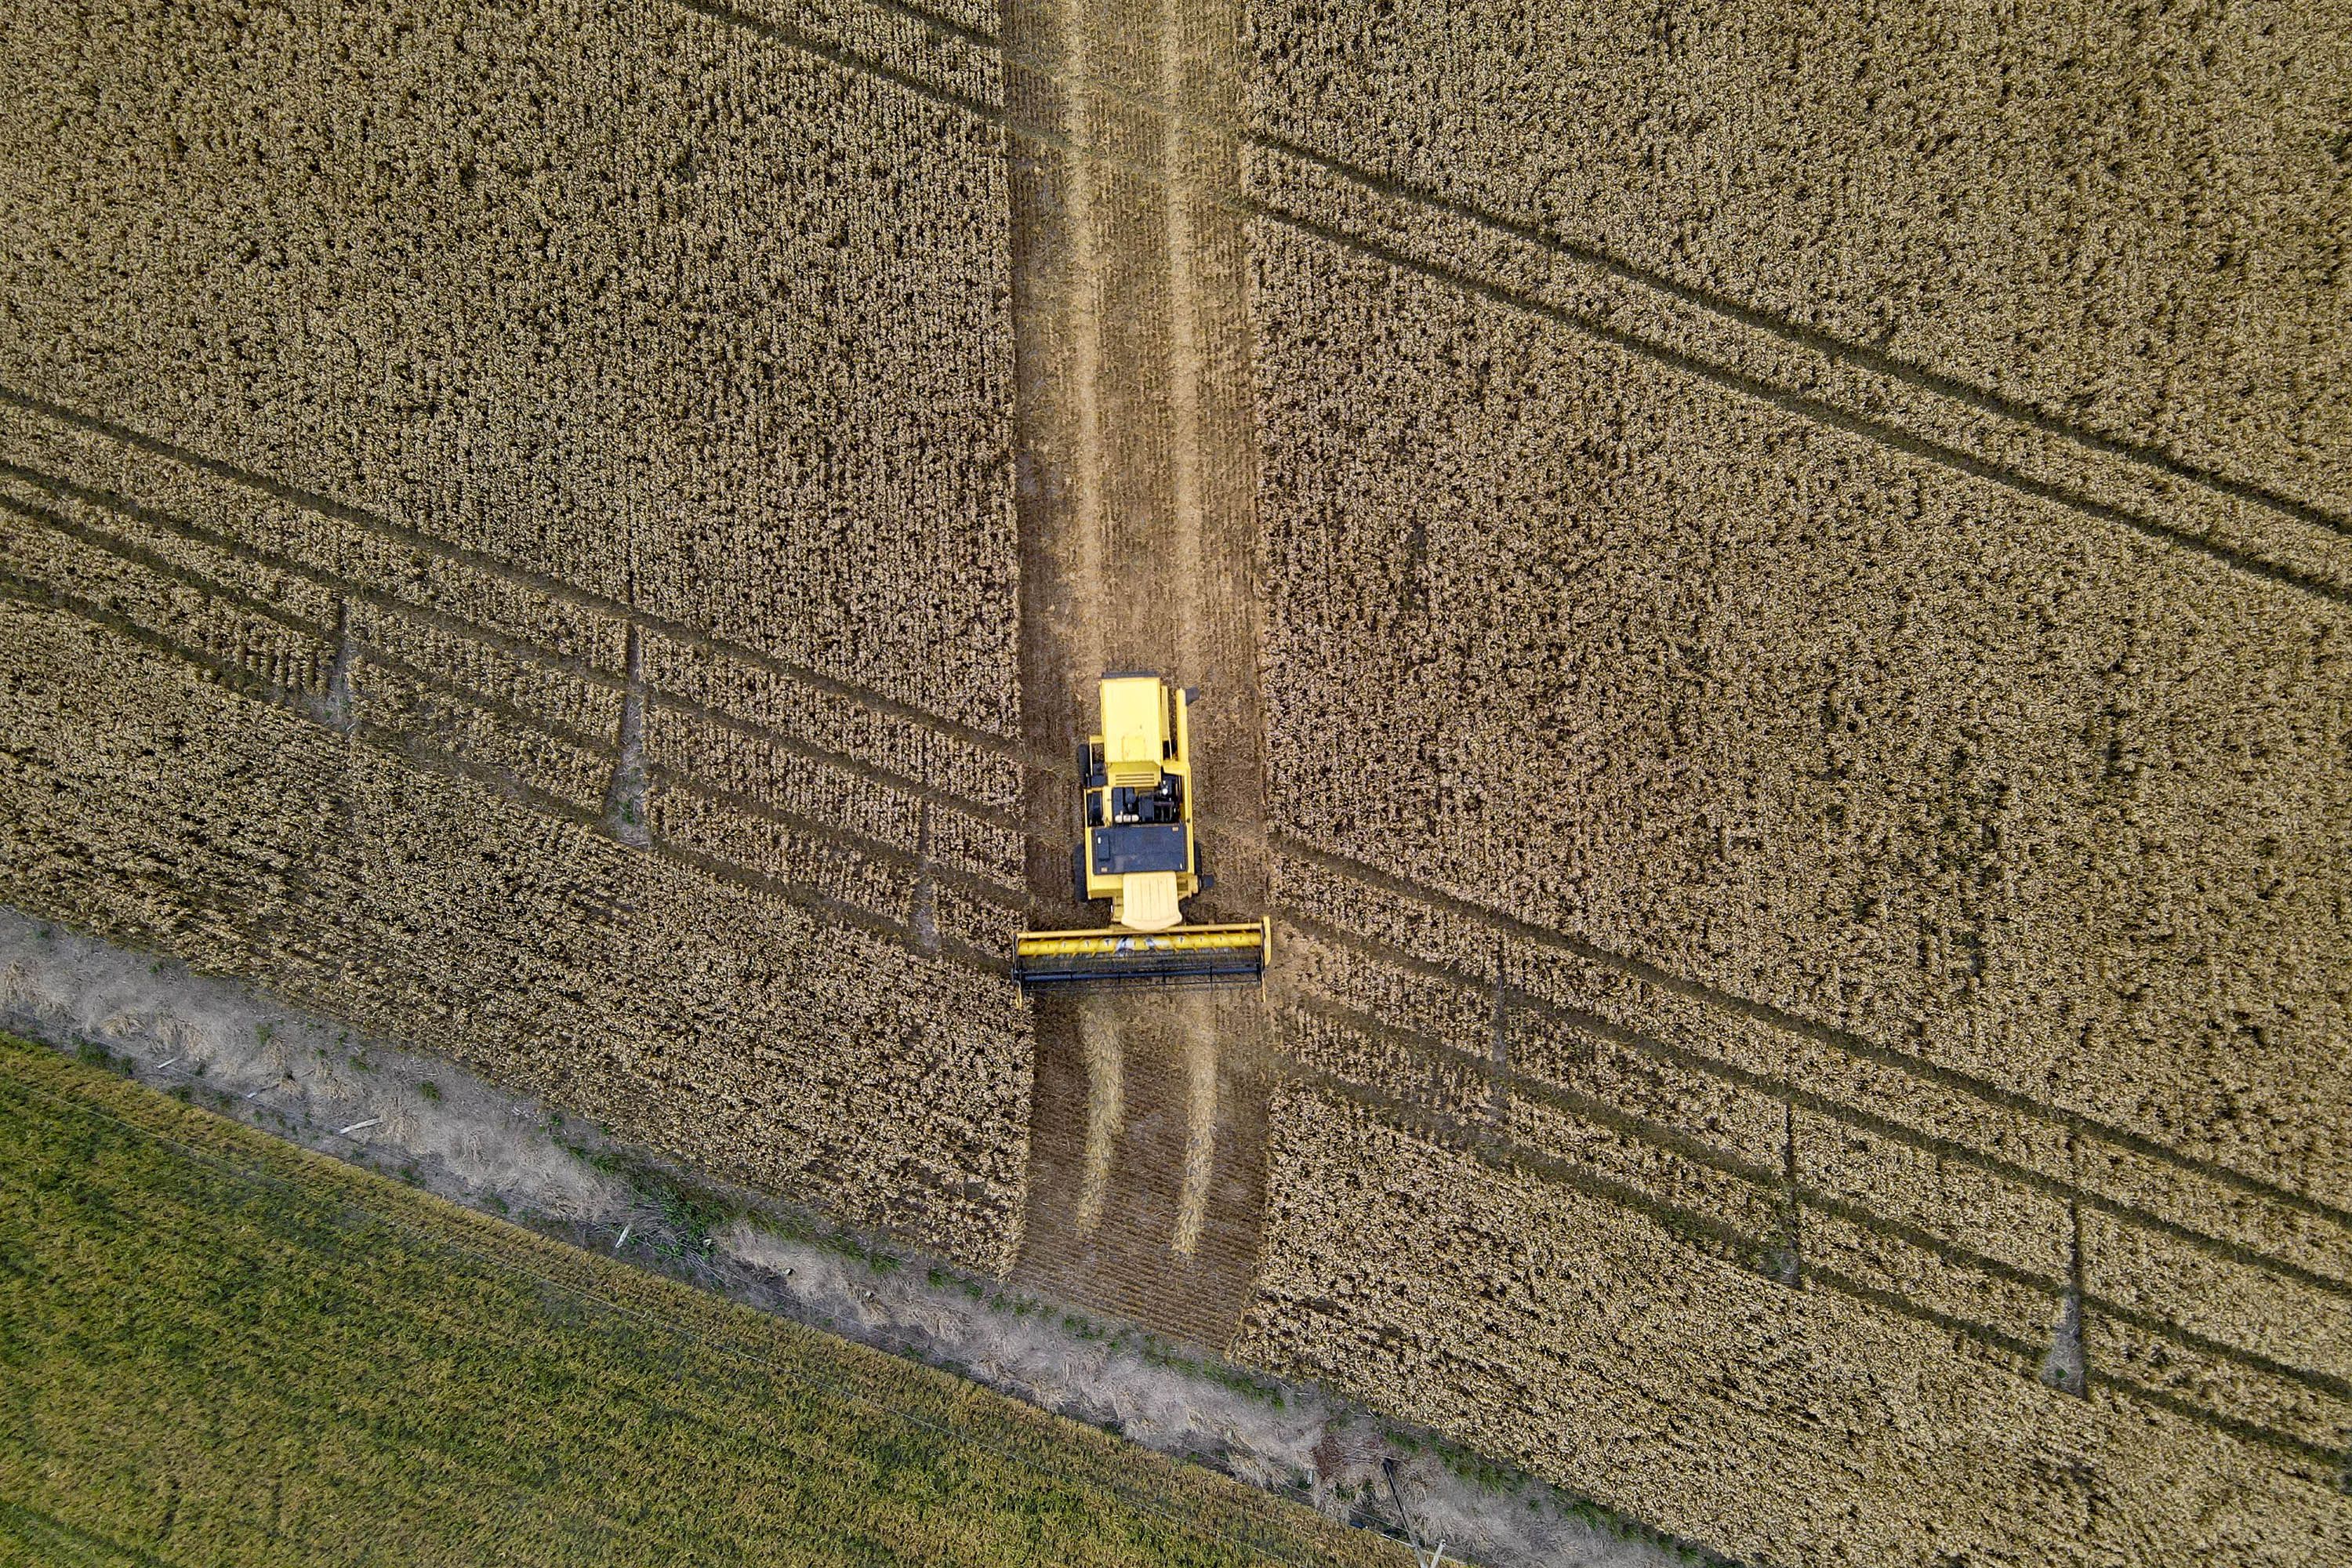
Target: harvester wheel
{"x": 1078, "y": 870}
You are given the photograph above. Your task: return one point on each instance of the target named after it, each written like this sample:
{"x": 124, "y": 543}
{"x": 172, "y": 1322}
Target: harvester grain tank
{"x": 1137, "y": 848}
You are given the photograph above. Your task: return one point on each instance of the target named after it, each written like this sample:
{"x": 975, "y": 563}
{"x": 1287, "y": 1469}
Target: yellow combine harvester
{"x": 1136, "y": 848}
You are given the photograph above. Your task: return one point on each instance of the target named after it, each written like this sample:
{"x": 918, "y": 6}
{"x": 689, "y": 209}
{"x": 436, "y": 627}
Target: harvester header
{"x": 1137, "y": 848}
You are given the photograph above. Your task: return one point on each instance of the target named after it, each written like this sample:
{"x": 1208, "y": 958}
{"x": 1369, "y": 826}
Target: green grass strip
{"x": 218, "y": 1348}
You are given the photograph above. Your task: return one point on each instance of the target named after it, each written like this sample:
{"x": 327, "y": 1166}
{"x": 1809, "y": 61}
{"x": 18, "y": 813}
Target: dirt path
{"x": 1138, "y": 537}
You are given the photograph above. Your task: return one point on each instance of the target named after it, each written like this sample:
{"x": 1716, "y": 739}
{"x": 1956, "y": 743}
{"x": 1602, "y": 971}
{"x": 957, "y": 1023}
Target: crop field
{"x": 2119, "y": 227}
{"x": 184, "y": 1300}
{"x": 1826, "y": 598}
{"x": 1773, "y": 601}
{"x": 510, "y": 542}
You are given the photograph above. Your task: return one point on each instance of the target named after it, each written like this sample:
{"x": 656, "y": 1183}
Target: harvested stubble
{"x": 2130, "y": 222}
{"x": 1592, "y": 1345}
{"x": 223, "y": 1348}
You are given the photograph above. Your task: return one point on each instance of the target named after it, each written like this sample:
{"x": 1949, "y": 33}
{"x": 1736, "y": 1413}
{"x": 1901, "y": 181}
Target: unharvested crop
{"x": 673, "y": 311}
{"x": 1773, "y": 592}
{"x": 2096, "y": 751}
{"x": 508, "y": 538}
{"x": 2126, "y": 222}
{"x": 780, "y": 1032}
{"x": 1581, "y": 1339}
{"x": 1829, "y": 968}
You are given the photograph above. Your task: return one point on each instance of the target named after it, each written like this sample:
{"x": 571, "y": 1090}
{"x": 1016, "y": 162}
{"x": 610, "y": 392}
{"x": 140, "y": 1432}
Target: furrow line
{"x": 1810, "y": 1100}
{"x": 1945, "y": 1250}
{"x": 1984, "y": 400}
{"x": 501, "y": 706}
{"x": 995, "y": 893}
{"x": 1684, "y": 1144}
{"x": 1670, "y": 1139}
{"x": 171, "y": 570}
{"x": 1980, "y": 399}
{"x": 978, "y": 37}
{"x": 858, "y": 767}
{"x": 333, "y": 582}
{"x": 538, "y": 723}
{"x": 849, "y": 60}
{"x": 553, "y": 587}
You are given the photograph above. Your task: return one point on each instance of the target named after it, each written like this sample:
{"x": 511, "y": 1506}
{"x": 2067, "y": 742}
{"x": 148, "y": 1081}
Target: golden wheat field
{"x": 1772, "y": 592}
{"x": 399, "y": 404}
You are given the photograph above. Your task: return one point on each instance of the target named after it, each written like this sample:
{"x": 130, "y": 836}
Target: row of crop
{"x": 540, "y": 689}
{"x": 196, "y": 538}
{"x": 2064, "y": 214}
{"x": 1533, "y": 1320}
{"x": 1730, "y": 1046}
{"x": 756, "y": 765}
{"x": 225, "y": 610}
{"x": 392, "y": 702}
{"x": 1736, "y": 1210}
{"x": 47, "y": 556}
{"x": 306, "y": 549}
{"x": 901, "y": 39}
{"x": 687, "y": 819}
{"x": 1627, "y": 655}
{"x": 38, "y": 499}
{"x": 1550, "y": 981}
{"x": 1523, "y": 1037}
{"x": 2197, "y": 1376}
{"x": 765, "y": 698}
{"x": 1387, "y": 1061}
{"x": 743, "y": 1030}
{"x": 984, "y": 925}
{"x": 676, "y": 312}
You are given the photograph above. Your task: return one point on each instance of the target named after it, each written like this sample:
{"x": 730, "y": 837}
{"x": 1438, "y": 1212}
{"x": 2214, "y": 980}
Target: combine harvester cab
{"x": 1136, "y": 849}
